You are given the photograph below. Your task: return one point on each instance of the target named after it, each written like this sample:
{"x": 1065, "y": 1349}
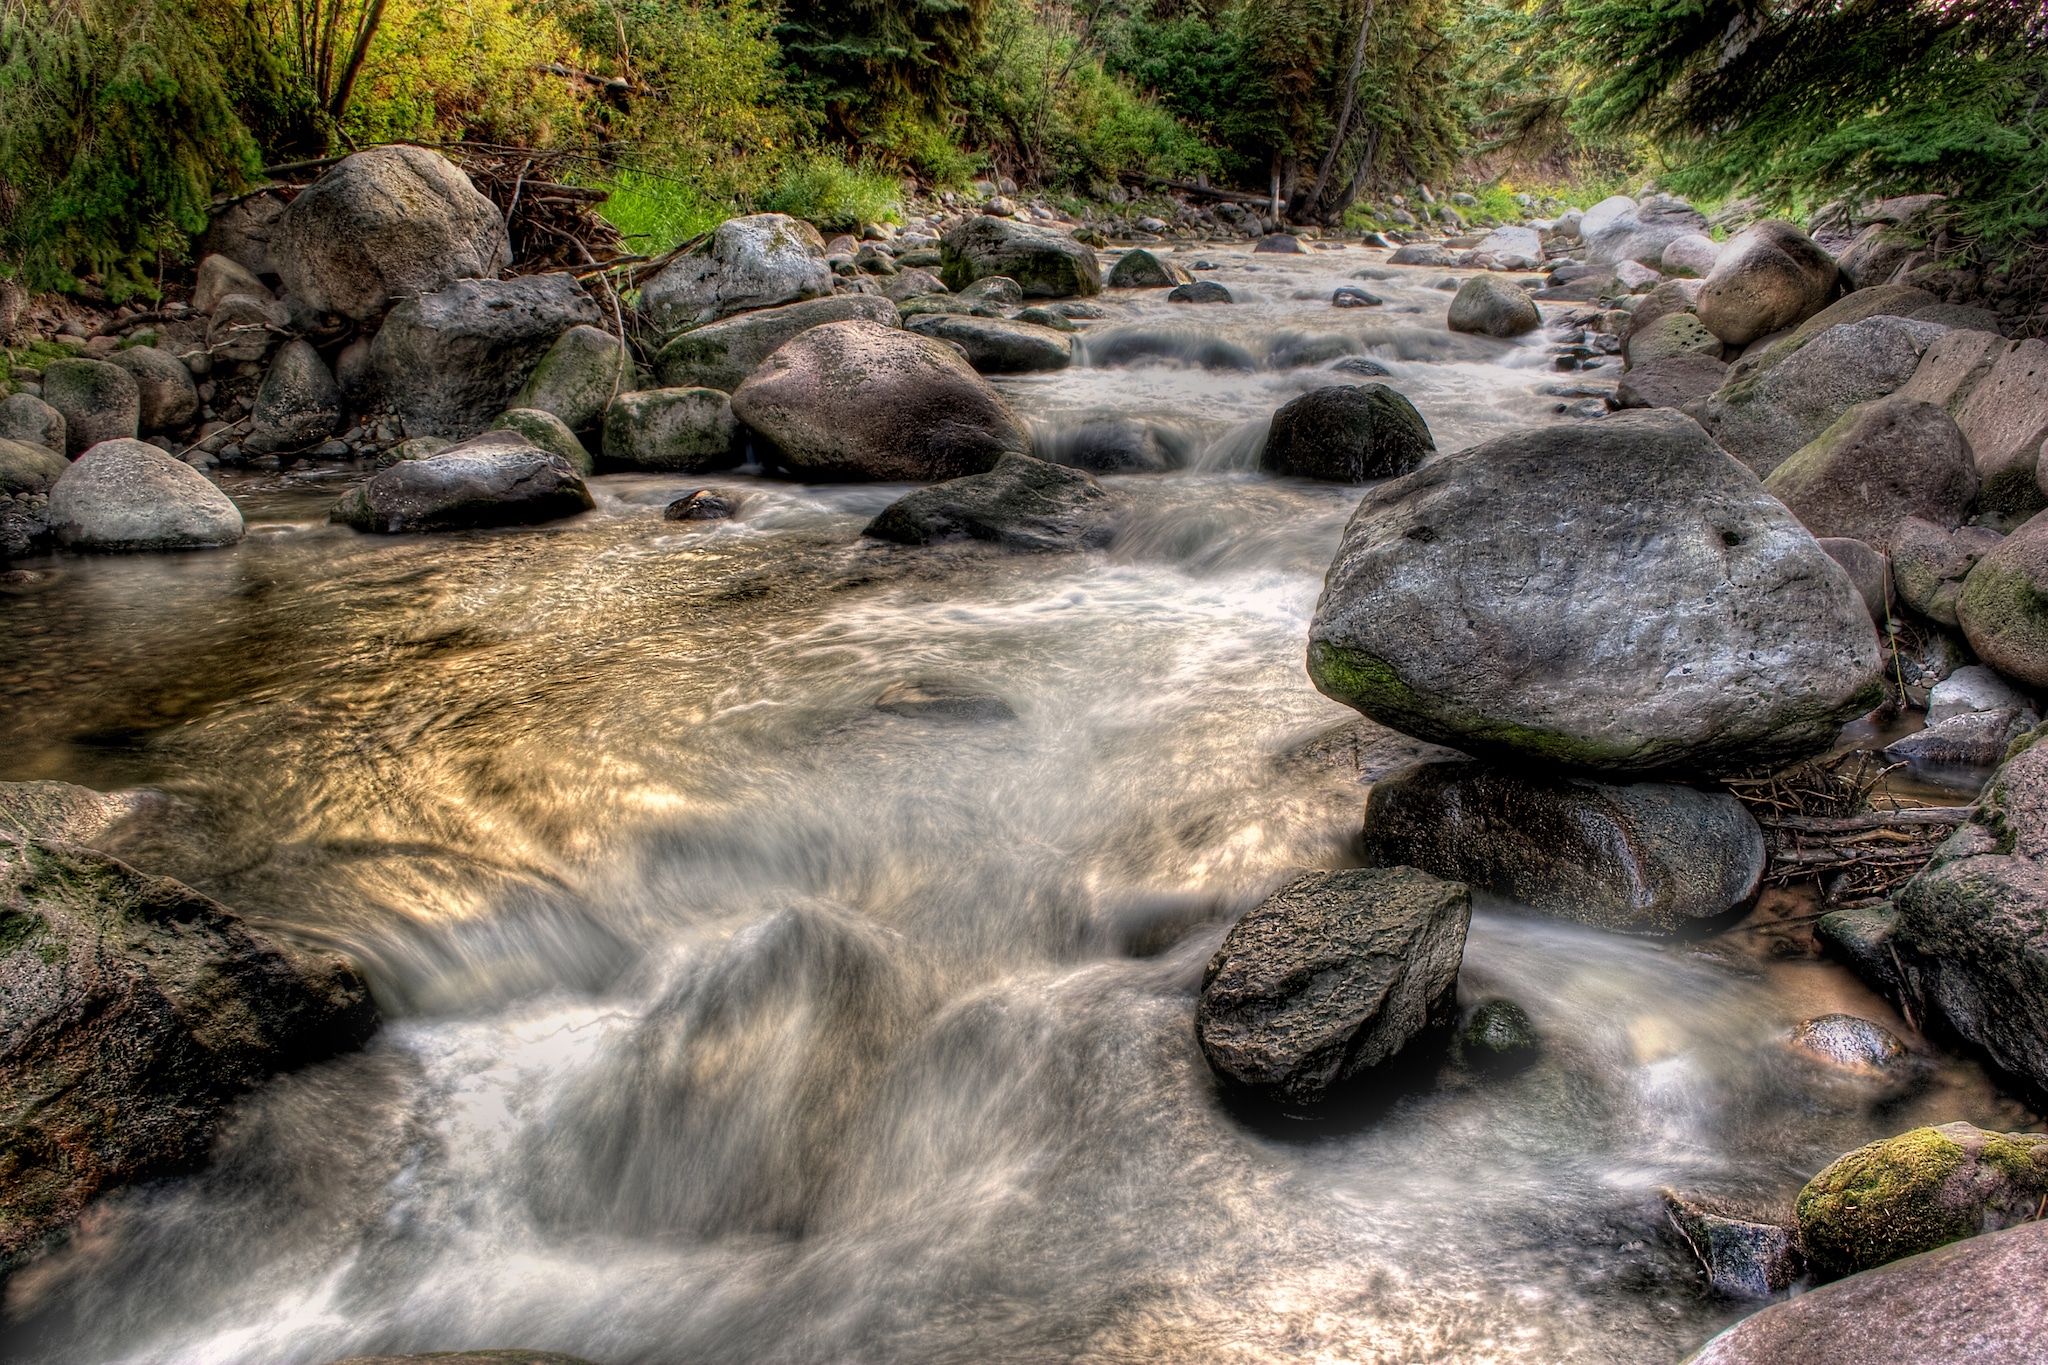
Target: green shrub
{"x": 655, "y": 212}
{"x": 820, "y": 187}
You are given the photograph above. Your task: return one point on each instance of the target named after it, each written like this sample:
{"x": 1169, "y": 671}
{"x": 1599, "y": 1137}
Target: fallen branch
{"x": 1887, "y": 819}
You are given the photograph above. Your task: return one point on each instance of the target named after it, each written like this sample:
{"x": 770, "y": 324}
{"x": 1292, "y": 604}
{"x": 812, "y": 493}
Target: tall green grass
{"x": 824, "y": 189}
{"x": 655, "y": 212}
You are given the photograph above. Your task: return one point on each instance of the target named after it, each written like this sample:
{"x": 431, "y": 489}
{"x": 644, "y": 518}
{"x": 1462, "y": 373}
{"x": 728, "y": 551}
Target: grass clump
{"x": 826, "y": 190}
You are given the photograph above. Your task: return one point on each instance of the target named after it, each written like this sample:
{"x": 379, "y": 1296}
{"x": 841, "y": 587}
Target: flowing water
{"x": 733, "y": 1019}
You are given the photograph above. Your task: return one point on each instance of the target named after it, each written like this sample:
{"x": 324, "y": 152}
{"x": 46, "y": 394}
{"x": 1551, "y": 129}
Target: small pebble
{"x": 1847, "y": 1041}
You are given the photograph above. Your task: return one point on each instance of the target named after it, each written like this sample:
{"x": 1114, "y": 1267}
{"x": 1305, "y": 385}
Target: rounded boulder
{"x": 98, "y": 402}
{"x": 1348, "y": 433}
{"x": 1882, "y": 462}
{"x": 2003, "y": 607}
{"x": 128, "y": 495}
{"x": 1770, "y": 277}
{"x": 1492, "y": 307}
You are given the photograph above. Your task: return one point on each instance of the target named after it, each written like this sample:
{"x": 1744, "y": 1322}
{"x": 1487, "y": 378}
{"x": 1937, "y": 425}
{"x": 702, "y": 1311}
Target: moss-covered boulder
{"x": 135, "y": 1010}
{"x": 1917, "y": 1191}
{"x": 170, "y": 400}
{"x": 98, "y": 401}
{"x": 1673, "y": 334}
{"x": 686, "y": 430}
{"x": 578, "y": 377}
{"x": 549, "y": 433}
{"x": 1930, "y": 565}
{"x": 2003, "y": 607}
{"x": 722, "y": 354}
{"x": 1045, "y": 264}
{"x": 1347, "y": 433}
{"x": 27, "y": 468}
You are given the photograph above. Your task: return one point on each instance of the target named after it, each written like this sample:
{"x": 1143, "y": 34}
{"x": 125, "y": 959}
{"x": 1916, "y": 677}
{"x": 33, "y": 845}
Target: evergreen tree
{"x": 861, "y": 60}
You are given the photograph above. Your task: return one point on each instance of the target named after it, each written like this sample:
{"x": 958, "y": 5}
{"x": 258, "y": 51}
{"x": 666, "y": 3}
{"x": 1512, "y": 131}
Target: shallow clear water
{"x": 731, "y": 1019}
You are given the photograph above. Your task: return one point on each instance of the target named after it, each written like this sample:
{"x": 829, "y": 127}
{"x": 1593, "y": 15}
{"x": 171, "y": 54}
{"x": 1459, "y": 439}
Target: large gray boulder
{"x": 1621, "y": 229}
{"x": 857, "y": 400}
{"x": 98, "y": 402}
{"x": 722, "y": 354}
{"x": 1348, "y": 433}
{"x": 1644, "y": 857}
{"x": 1024, "y": 503}
{"x": 685, "y": 430}
{"x": 550, "y": 433}
{"x": 1973, "y": 924}
{"x": 999, "y": 346}
{"x": 1763, "y": 418}
{"x": 219, "y": 276}
{"x": 1882, "y": 462}
{"x": 2006, "y": 420}
{"x": 1334, "y": 974}
{"x": 299, "y": 403}
{"x": 1770, "y": 277}
{"x": 451, "y": 361}
{"x": 578, "y": 377}
{"x": 1951, "y": 369}
{"x": 1974, "y": 1302}
{"x": 1930, "y": 565}
{"x": 2003, "y": 607}
{"x": 1619, "y": 597}
{"x": 384, "y": 225}
{"x": 496, "y": 479}
{"x": 1045, "y": 264}
{"x": 29, "y": 420}
{"x": 1670, "y": 382}
{"x": 1493, "y": 307}
{"x": 137, "y": 1011}
{"x": 169, "y": 399}
{"x": 758, "y": 261}
{"x": 28, "y": 469}
{"x": 128, "y": 495}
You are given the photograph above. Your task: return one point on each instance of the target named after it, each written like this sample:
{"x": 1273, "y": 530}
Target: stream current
{"x": 733, "y": 1019}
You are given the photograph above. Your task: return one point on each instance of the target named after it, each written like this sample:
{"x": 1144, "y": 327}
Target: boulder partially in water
{"x": 1024, "y": 503}
{"x": 1903, "y": 1195}
{"x": 1494, "y": 308}
{"x": 496, "y": 479}
{"x": 1045, "y": 264}
{"x": 1140, "y": 269}
{"x": 999, "y": 346}
{"x": 1620, "y": 598}
{"x": 857, "y": 400}
{"x": 137, "y": 1009}
{"x": 1334, "y": 974}
{"x": 1850, "y": 1042}
{"x": 1745, "y": 1256}
{"x": 758, "y": 261}
{"x": 449, "y": 362}
{"x": 1349, "y": 433}
{"x": 128, "y": 495}
{"x": 686, "y": 430}
{"x": 722, "y": 354}
{"x": 1646, "y": 857}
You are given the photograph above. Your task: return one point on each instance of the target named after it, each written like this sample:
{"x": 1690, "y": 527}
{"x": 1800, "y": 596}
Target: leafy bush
{"x": 821, "y": 187}
{"x": 656, "y": 212}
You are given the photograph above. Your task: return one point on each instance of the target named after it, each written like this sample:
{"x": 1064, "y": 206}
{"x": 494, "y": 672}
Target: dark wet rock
{"x": 169, "y": 398}
{"x": 1903, "y": 1195}
{"x": 1109, "y": 443}
{"x": 2003, "y": 607}
{"x": 1745, "y": 1257}
{"x": 685, "y": 430}
{"x": 1024, "y": 503}
{"x": 722, "y": 354}
{"x": 1930, "y": 565}
{"x": 1045, "y": 264}
{"x": 1868, "y": 569}
{"x": 759, "y": 261}
{"x": 27, "y": 468}
{"x": 999, "y": 346}
{"x": 1351, "y": 296}
{"x": 1973, "y": 924}
{"x": 1765, "y": 416}
{"x": 1500, "y": 1034}
{"x": 497, "y": 479}
{"x": 98, "y": 401}
{"x": 384, "y": 225}
{"x": 2006, "y": 420}
{"x": 1348, "y": 433}
{"x": 137, "y": 1010}
{"x": 1201, "y": 291}
{"x": 1670, "y": 382}
{"x": 550, "y": 433}
{"x": 930, "y": 700}
{"x": 1362, "y": 366}
{"x": 29, "y": 420}
{"x": 1862, "y": 937}
{"x": 128, "y": 495}
{"x": 1674, "y": 334}
{"x": 1976, "y": 740}
{"x": 451, "y": 361}
{"x": 299, "y": 403}
{"x": 1644, "y": 857}
{"x": 1420, "y": 253}
{"x": 1041, "y": 316}
{"x": 1140, "y": 269}
{"x": 1281, "y": 243}
{"x": 578, "y": 377}
{"x": 1494, "y": 308}
{"x": 1493, "y": 599}
{"x": 1334, "y": 974}
{"x": 1881, "y": 462}
{"x": 1846, "y": 1041}
{"x": 1769, "y": 277}
{"x": 702, "y": 505}
{"x": 1976, "y": 1302}
{"x": 863, "y": 401}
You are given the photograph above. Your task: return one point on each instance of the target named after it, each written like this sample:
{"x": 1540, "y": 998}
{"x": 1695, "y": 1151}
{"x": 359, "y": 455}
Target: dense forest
{"x": 122, "y": 120}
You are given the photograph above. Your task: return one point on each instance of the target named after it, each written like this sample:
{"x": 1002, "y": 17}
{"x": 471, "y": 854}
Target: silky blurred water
{"x": 732, "y": 1019}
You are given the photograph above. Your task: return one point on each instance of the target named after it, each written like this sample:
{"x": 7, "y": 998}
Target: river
{"x": 732, "y": 1019}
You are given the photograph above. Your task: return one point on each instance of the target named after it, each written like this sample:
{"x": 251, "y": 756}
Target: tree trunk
{"x": 373, "y": 16}
{"x": 1312, "y": 201}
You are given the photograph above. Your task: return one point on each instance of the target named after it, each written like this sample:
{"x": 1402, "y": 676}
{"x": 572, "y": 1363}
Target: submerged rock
{"x": 1023, "y": 502}
{"x": 863, "y": 401}
{"x": 449, "y": 362}
{"x": 758, "y": 261}
{"x": 128, "y": 495}
{"x": 1744, "y": 1257}
{"x": 1045, "y": 264}
{"x": 722, "y": 354}
{"x": 1500, "y": 1034}
{"x": 702, "y": 505}
{"x": 1645, "y": 857}
{"x": 1349, "y": 433}
{"x": 497, "y": 479}
{"x": 469, "y": 1358}
{"x": 137, "y": 1009}
{"x": 1977, "y": 1302}
{"x": 1329, "y": 977}
{"x": 926, "y": 699}
{"x": 1912, "y": 1193}
{"x": 1619, "y": 598}
{"x": 1846, "y": 1041}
